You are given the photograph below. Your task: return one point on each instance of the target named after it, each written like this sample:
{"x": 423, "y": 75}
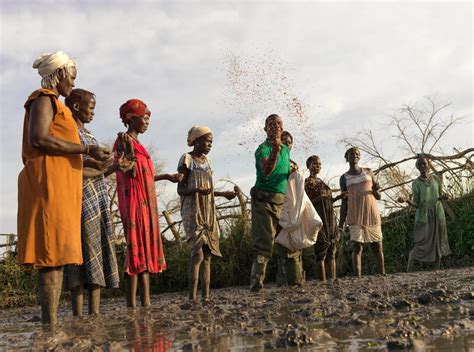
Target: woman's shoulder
{"x": 39, "y": 93}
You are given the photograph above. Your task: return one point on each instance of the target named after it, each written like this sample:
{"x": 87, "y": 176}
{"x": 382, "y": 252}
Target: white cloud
{"x": 350, "y": 63}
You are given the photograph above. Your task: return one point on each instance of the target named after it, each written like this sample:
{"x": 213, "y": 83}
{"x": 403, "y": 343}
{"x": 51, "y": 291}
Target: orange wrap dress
{"x": 50, "y": 195}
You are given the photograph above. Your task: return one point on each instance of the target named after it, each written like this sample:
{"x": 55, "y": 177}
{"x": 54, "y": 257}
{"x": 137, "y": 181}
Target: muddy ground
{"x": 424, "y": 311}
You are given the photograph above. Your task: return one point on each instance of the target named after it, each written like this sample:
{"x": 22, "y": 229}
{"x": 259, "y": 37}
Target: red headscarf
{"x": 133, "y": 108}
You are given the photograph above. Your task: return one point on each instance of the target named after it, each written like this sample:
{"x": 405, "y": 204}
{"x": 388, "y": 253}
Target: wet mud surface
{"x": 424, "y": 311}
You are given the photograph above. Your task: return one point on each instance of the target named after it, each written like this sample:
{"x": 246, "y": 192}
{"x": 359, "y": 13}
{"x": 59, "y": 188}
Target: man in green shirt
{"x": 272, "y": 162}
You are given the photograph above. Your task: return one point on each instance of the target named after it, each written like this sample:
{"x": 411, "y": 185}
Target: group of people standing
{"x": 64, "y": 221}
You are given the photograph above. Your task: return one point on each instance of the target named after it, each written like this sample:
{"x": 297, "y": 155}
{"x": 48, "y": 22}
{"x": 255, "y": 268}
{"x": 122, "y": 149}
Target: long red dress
{"x": 139, "y": 211}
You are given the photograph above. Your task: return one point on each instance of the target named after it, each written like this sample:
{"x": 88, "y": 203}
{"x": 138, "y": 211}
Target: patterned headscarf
{"x": 131, "y": 109}
{"x": 49, "y": 66}
{"x": 195, "y": 132}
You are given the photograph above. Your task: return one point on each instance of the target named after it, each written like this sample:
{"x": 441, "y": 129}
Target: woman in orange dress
{"x": 50, "y": 184}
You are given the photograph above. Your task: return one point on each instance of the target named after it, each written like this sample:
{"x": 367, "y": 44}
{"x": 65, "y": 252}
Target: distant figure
{"x": 289, "y": 262}
{"x": 328, "y": 238}
{"x": 138, "y": 204}
{"x": 361, "y": 211}
{"x": 98, "y": 248}
{"x": 50, "y": 184}
{"x": 272, "y": 163}
{"x": 198, "y": 209}
{"x": 431, "y": 236}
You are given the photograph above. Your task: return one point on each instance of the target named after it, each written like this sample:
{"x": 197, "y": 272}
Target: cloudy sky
{"x": 329, "y": 68}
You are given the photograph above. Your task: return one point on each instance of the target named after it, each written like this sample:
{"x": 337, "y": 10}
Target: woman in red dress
{"x": 138, "y": 204}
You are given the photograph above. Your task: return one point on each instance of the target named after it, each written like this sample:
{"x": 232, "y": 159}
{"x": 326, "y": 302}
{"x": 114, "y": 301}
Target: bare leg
{"x": 131, "y": 282}
{"x": 206, "y": 274}
{"x": 144, "y": 279}
{"x": 332, "y": 268}
{"x": 437, "y": 263}
{"x": 50, "y": 282}
{"x": 94, "y": 299}
{"x": 193, "y": 277}
{"x": 377, "y": 249}
{"x": 321, "y": 270}
{"x": 411, "y": 261}
{"x": 77, "y": 300}
{"x": 357, "y": 259}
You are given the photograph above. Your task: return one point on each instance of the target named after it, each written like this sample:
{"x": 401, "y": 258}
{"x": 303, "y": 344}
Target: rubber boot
{"x": 94, "y": 299}
{"x": 131, "y": 282}
{"x": 257, "y": 274}
{"x": 144, "y": 279}
{"x": 294, "y": 271}
{"x": 77, "y": 300}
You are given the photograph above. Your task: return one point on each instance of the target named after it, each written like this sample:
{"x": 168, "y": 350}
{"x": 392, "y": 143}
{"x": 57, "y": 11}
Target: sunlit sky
{"x": 349, "y": 65}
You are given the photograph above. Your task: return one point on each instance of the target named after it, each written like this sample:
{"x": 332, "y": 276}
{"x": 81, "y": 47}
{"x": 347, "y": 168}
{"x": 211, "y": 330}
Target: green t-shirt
{"x": 276, "y": 181}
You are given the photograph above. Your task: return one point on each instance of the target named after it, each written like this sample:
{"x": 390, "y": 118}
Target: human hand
{"x": 344, "y": 194}
{"x": 178, "y": 177}
{"x": 229, "y": 195}
{"x": 401, "y": 200}
{"x": 443, "y": 197}
{"x": 100, "y": 153}
{"x": 375, "y": 185}
{"x": 123, "y": 164}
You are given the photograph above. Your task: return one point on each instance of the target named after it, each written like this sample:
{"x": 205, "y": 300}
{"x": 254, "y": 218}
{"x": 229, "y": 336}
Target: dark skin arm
{"x": 183, "y": 191}
{"x": 106, "y": 169}
{"x": 41, "y": 117}
{"x": 375, "y": 186}
{"x": 170, "y": 177}
{"x": 267, "y": 165}
{"x": 343, "y": 215}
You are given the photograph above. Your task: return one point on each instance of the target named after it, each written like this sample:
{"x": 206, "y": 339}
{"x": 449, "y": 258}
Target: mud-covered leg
{"x": 321, "y": 270}
{"x": 206, "y": 274}
{"x": 377, "y": 250}
{"x": 131, "y": 282}
{"x": 50, "y": 282}
{"x": 193, "y": 274}
{"x": 411, "y": 261}
{"x": 357, "y": 259}
{"x": 294, "y": 271}
{"x": 144, "y": 280}
{"x": 77, "y": 300}
{"x": 94, "y": 299}
{"x": 332, "y": 268}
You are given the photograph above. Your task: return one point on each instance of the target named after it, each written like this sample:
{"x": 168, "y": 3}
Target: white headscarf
{"x": 197, "y": 131}
{"x": 49, "y": 66}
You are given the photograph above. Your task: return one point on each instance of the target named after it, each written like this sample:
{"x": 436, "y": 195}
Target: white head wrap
{"x": 197, "y": 131}
{"x": 49, "y": 66}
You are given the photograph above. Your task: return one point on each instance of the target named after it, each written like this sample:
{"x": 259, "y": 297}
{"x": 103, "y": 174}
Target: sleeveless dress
{"x": 198, "y": 211}
{"x": 50, "y": 194}
{"x": 138, "y": 207}
{"x": 363, "y": 216}
{"x": 431, "y": 236}
{"x": 98, "y": 248}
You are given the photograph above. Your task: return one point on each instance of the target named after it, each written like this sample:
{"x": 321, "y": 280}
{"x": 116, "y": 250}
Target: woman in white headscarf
{"x": 50, "y": 184}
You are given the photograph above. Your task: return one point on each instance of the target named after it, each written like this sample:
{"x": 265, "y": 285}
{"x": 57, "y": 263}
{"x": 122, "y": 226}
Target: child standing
{"x": 198, "y": 209}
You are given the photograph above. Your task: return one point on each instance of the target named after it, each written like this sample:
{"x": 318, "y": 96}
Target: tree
{"x": 417, "y": 129}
